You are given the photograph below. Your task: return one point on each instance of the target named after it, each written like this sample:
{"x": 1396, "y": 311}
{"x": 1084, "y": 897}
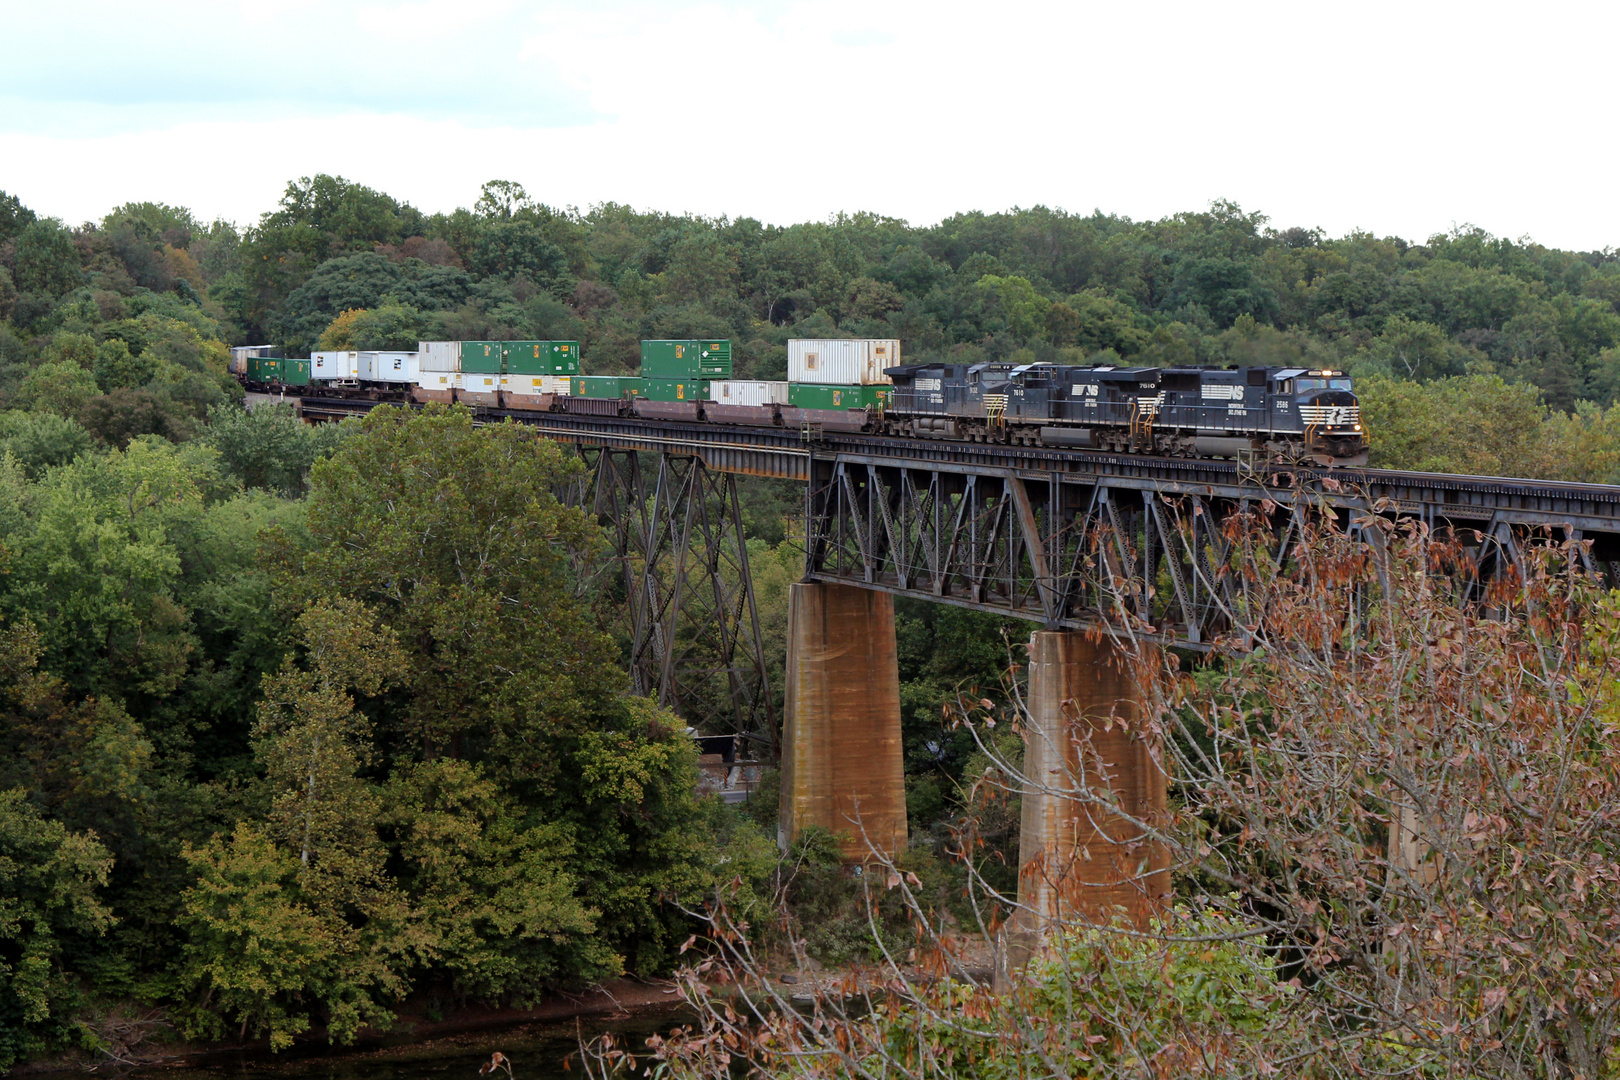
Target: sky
{"x": 1400, "y": 118}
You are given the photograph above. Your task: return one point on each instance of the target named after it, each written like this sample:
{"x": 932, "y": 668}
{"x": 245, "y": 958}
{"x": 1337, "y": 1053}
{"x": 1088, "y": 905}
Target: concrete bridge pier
{"x": 842, "y": 761}
{"x": 1081, "y": 860}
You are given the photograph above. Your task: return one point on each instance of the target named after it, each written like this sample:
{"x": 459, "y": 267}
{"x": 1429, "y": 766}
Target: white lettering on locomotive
{"x": 1222, "y": 392}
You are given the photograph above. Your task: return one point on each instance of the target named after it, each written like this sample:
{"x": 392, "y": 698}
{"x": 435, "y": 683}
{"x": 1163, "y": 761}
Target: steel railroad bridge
{"x": 1012, "y": 530}
{"x": 1052, "y": 536}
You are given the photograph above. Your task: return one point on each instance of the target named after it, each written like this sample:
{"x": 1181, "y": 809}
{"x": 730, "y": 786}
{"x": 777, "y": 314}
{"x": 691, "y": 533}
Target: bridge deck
{"x": 1590, "y": 510}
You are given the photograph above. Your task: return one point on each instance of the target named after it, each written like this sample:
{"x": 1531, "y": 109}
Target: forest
{"x": 304, "y": 729}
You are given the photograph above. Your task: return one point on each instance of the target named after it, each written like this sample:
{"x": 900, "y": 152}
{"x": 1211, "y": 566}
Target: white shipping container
{"x": 439, "y": 355}
{"x": 334, "y": 366}
{"x": 388, "y": 367}
{"x": 535, "y": 384}
{"x": 475, "y": 383}
{"x": 439, "y": 380}
{"x": 842, "y": 362}
{"x": 746, "y": 392}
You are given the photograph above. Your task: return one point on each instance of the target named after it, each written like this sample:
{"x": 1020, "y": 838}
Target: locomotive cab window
{"x": 1322, "y": 384}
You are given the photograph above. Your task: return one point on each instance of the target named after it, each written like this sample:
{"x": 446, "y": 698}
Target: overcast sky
{"x": 1401, "y": 118}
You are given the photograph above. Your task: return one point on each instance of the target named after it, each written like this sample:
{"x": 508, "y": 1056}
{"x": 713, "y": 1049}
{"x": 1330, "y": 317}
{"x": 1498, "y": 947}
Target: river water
{"x": 537, "y": 1052}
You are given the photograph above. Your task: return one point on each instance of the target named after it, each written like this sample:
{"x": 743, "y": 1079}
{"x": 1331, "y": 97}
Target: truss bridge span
{"x": 1016, "y": 530}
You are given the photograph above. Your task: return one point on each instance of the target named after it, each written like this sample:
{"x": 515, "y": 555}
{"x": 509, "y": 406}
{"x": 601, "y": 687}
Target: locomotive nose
{"x": 1338, "y": 409}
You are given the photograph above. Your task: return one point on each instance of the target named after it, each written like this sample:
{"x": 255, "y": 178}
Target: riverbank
{"x": 639, "y": 1002}
{"x": 643, "y": 1006}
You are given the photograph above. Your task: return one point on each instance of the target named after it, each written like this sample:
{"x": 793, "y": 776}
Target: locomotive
{"x": 1281, "y": 414}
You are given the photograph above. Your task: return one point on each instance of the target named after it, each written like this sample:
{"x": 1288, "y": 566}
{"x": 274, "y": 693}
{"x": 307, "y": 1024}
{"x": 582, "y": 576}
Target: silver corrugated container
{"x": 842, "y": 362}
{"x": 334, "y": 366}
{"x": 439, "y": 355}
{"x": 747, "y": 392}
{"x": 388, "y": 367}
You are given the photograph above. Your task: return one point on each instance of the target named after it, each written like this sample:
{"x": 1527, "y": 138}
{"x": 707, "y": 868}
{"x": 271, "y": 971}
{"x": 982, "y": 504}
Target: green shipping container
{"x": 686, "y": 359}
{"x": 269, "y": 369}
{"x": 811, "y": 396}
{"x": 481, "y": 357}
{"x": 541, "y": 357}
{"x": 606, "y": 386}
{"x": 674, "y": 390}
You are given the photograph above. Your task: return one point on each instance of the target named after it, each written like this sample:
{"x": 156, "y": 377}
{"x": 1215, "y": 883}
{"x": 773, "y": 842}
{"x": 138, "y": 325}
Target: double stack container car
{"x": 440, "y": 366}
{"x": 535, "y": 373}
{"x": 675, "y": 376}
{"x": 480, "y": 373}
{"x": 829, "y": 377}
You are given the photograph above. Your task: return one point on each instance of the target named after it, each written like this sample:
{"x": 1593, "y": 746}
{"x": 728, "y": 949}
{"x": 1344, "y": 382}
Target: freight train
{"x": 1273, "y": 413}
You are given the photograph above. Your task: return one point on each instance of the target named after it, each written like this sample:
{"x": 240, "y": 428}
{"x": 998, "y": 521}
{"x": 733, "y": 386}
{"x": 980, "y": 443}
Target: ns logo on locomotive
{"x": 1273, "y": 413}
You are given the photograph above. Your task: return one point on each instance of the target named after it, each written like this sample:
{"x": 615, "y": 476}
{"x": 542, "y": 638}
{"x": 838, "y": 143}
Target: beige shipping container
{"x": 479, "y": 389}
{"x": 438, "y": 356}
{"x": 842, "y": 362}
{"x": 747, "y": 392}
{"x": 533, "y": 384}
{"x": 436, "y": 386}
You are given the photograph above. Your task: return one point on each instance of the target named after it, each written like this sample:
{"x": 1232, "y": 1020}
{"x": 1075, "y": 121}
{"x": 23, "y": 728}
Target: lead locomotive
{"x": 1281, "y": 414}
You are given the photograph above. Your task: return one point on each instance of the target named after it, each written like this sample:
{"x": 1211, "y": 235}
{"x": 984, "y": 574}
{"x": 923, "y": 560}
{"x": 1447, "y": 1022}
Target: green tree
{"x": 50, "y": 877}
{"x": 98, "y": 565}
{"x": 14, "y": 217}
{"x": 61, "y": 387}
{"x": 268, "y": 446}
{"x": 1414, "y": 350}
{"x": 389, "y": 325}
{"x": 117, "y": 368}
{"x": 47, "y": 262}
{"x": 1024, "y": 309}
{"x": 300, "y": 917}
{"x": 451, "y": 533}
{"x": 1475, "y": 424}
{"x": 495, "y": 892}
{"x": 40, "y": 440}
{"x": 521, "y": 246}
{"x": 1224, "y": 287}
